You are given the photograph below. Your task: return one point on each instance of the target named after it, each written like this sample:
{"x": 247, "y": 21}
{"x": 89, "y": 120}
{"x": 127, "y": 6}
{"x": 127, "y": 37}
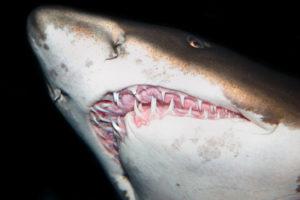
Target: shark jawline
{"x": 146, "y": 102}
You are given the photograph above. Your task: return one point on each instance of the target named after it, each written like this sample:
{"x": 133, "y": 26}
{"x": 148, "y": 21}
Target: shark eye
{"x": 196, "y": 42}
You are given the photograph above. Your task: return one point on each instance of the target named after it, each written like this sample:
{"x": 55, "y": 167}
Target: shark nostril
{"x": 56, "y": 94}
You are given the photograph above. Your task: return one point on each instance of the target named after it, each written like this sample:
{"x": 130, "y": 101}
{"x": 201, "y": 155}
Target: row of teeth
{"x": 107, "y": 115}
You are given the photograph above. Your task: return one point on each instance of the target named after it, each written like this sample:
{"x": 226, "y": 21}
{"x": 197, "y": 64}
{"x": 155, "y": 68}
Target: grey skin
{"x": 83, "y": 56}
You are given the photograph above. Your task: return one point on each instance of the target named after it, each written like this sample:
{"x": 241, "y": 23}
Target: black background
{"x": 44, "y": 157}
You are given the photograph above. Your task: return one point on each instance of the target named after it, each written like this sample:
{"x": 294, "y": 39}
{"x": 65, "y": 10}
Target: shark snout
{"x": 72, "y": 49}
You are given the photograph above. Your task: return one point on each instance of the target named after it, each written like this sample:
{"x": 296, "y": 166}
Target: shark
{"x": 169, "y": 114}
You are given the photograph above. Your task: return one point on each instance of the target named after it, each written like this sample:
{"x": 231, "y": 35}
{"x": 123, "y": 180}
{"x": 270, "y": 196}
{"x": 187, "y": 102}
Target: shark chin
{"x": 168, "y": 114}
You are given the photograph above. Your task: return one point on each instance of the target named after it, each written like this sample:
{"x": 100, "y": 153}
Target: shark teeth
{"x": 213, "y": 108}
{"x": 182, "y": 97}
{"x": 190, "y": 112}
{"x": 136, "y": 110}
{"x": 199, "y": 104}
{"x": 133, "y": 89}
{"x": 146, "y": 102}
{"x": 153, "y": 105}
{"x": 163, "y": 93}
{"x": 116, "y": 97}
{"x": 99, "y": 108}
{"x": 171, "y": 107}
{"x": 115, "y": 126}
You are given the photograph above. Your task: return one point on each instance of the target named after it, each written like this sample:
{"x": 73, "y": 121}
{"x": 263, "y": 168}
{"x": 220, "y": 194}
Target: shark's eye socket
{"x": 196, "y": 42}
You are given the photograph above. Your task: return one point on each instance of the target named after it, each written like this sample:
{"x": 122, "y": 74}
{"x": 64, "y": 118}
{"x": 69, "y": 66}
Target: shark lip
{"x": 146, "y": 102}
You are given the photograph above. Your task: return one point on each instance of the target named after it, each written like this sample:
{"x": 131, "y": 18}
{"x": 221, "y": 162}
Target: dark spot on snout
{"x": 46, "y": 46}
{"x": 177, "y": 184}
{"x": 53, "y": 73}
{"x": 63, "y": 66}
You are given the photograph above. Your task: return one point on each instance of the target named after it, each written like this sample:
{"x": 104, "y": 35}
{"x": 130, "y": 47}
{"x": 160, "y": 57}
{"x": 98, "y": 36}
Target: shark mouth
{"x": 144, "y": 103}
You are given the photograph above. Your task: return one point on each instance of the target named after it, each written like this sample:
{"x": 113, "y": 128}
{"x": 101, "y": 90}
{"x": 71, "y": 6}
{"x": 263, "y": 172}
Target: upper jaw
{"x": 79, "y": 57}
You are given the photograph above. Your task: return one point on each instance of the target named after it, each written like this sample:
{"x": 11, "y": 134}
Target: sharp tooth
{"x": 106, "y": 127}
{"x": 115, "y": 126}
{"x": 171, "y": 106}
{"x": 213, "y": 108}
{"x": 182, "y": 97}
{"x": 153, "y": 105}
{"x": 106, "y": 105}
{"x": 116, "y": 97}
{"x": 199, "y": 104}
{"x": 93, "y": 109}
{"x": 163, "y": 93}
{"x": 133, "y": 89}
{"x": 205, "y": 114}
{"x": 136, "y": 110}
{"x": 190, "y": 112}
{"x": 98, "y": 108}
{"x": 94, "y": 118}
{"x": 103, "y": 119}
{"x": 218, "y": 115}
{"x": 117, "y": 134}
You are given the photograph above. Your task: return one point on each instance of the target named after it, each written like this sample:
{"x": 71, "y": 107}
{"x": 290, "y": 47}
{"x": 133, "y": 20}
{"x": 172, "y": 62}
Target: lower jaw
{"x": 145, "y": 103}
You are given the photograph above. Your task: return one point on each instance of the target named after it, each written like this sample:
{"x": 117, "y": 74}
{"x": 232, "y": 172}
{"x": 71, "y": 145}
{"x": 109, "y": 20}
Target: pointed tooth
{"x": 218, "y": 115}
{"x": 93, "y": 110}
{"x": 115, "y": 126}
{"x": 133, "y": 89}
{"x": 136, "y": 110}
{"x": 98, "y": 108}
{"x": 190, "y": 112}
{"x": 153, "y": 105}
{"x": 106, "y": 105}
{"x": 205, "y": 113}
{"x": 116, "y": 97}
{"x": 199, "y": 104}
{"x": 103, "y": 119}
{"x": 171, "y": 106}
{"x": 94, "y": 118}
{"x": 163, "y": 93}
{"x": 213, "y": 108}
{"x": 182, "y": 97}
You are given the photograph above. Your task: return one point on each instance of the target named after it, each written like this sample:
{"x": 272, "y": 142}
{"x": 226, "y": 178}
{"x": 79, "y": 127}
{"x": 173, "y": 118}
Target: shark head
{"x": 169, "y": 114}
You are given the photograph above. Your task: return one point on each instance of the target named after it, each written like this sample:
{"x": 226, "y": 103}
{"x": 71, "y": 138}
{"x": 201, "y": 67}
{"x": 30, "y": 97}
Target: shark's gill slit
{"x": 145, "y": 102}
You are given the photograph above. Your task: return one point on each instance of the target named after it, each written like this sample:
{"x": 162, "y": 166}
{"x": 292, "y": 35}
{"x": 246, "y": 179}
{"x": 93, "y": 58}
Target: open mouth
{"x": 145, "y": 103}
